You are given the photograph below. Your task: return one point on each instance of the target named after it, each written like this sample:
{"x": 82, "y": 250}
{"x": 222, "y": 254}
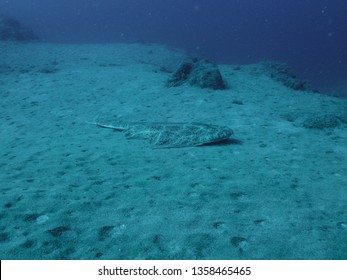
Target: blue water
{"x": 309, "y": 35}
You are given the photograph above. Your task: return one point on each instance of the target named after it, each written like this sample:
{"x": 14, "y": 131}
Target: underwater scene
{"x": 136, "y": 130}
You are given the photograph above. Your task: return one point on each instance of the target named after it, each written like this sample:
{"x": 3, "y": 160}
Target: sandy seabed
{"x": 72, "y": 190}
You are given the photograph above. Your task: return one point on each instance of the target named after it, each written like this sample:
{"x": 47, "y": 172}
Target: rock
{"x": 12, "y": 30}
{"x": 199, "y": 73}
{"x": 181, "y": 75}
{"x": 324, "y": 121}
{"x": 282, "y": 73}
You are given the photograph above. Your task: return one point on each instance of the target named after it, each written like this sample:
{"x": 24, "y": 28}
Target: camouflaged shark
{"x": 170, "y": 135}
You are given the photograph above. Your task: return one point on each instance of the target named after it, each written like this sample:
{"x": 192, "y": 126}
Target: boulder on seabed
{"x": 200, "y": 73}
{"x": 281, "y": 72}
{"x": 12, "y": 30}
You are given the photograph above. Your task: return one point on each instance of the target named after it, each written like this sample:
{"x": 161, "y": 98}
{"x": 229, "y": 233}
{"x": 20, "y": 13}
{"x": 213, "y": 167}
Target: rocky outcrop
{"x": 12, "y": 30}
{"x": 199, "y": 73}
{"x": 282, "y": 73}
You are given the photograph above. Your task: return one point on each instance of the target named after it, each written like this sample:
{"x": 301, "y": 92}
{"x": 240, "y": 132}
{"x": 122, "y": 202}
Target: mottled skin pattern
{"x": 171, "y": 135}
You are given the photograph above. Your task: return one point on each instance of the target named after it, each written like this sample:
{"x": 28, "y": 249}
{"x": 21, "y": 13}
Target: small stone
{"x": 58, "y": 231}
{"x": 42, "y": 219}
{"x": 342, "y": 225}
{"x": 236, "y": 241}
